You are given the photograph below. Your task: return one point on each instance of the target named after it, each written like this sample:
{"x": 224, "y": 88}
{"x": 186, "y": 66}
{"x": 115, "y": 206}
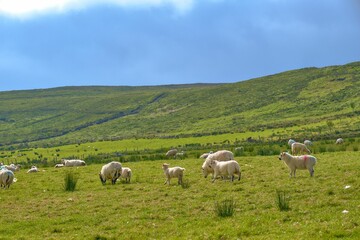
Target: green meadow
{"x": 138, "y": 125}
{"x": 38, "y": 207}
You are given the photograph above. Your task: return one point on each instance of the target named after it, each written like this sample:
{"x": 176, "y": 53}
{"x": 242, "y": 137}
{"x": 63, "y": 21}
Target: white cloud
{"x": 21, "y": 8}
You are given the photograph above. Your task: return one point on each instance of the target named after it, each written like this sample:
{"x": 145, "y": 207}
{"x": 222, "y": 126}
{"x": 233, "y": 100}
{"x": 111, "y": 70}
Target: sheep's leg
{"x": 232, "y": 178}
{"x": 180, "y": 180}
{"x": 214, "y": 177}
{"x": 311, "y": 172}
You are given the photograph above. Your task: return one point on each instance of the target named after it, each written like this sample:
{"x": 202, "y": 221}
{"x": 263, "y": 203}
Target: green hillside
{"x": 311, "y": 102}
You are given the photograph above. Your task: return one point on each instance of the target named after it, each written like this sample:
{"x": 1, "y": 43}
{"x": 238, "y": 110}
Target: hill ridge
{"x": 305, "y": 100}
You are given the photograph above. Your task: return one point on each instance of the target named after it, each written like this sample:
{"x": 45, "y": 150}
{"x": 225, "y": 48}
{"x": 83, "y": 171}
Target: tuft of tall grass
{"x": 225, "y": 208}
{"x": 185, "y": 184}
{"x": 70, "y": 181}
{"x": 282, "y": 201}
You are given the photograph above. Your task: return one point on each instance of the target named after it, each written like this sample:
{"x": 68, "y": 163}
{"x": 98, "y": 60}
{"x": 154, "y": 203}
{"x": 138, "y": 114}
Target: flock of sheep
{"x": 219, "y": 164}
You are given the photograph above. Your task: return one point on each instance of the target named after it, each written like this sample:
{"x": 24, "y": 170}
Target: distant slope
{"x": 311, "y": 101}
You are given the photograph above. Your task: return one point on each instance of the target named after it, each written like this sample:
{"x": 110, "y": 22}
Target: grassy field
{"x": 37, "y": 207}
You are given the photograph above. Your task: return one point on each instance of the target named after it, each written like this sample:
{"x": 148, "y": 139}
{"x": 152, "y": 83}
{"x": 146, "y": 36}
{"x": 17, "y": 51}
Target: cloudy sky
{"x": 50, "y": 43}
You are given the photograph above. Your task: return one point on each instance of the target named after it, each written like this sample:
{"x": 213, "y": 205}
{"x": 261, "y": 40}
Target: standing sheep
{"x": 225, "y": 169}
{"x": 126, "y": 174}
{"x": 339, "y": 141}
{"x": 6, "y": 178}
{"x": 299, "y": 148}
{"x": 298, "y": 162}
{"x": 171, "y": 153}
{"x": 174, "y": 172}
{"x": 222, "y": 155}
{"x": 112, "y": 171}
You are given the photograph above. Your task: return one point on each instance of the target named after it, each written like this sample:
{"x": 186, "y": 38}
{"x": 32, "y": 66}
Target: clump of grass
{"x": 185, "y": 184}
{"x": 70, "y": 181}
{"x": 282, "y": 201}
{"x": 225, "y": 208}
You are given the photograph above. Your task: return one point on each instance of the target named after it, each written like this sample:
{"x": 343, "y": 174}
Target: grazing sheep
{"x": 73, "y": 162}
{"x": 112, "y": 171}
{"x": 205, "y": 155}
{"x": 6, "y": 178}
{"x": 173, "y": 172}
{"x": 339, "y": 141}
{"x": 299, "y": 148}
{"x": 59, "y": 165}
{"x": 12, "y": 167}
{"x": 225, "y": 169}
{"x": 126, "y": 174}
{"x": 33, "y": 169}
{"x": 222, "y": 155}
{"x": 298, "y": 162}
{"x": 291, "y": 141}
{"x": 171, "y": 153}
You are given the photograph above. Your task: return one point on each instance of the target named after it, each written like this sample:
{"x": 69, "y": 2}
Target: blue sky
{"x": 157, "y": 42}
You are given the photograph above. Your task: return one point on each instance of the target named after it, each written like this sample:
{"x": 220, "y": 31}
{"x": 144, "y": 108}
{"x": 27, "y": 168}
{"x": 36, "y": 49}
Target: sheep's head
{"x": 281, "y": 155}
{"x": 165, "y": 166}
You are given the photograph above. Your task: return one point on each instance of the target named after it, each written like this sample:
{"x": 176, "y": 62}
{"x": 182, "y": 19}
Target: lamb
{"x": 222, "y": 155}
{"x": 339, "y": 141}
{"x": 225, "y": 169}
{"x": 299, "y": 148}
{"x": 126, "y": 174}
{"x": 6, "y": 178}
{"x": 33, "y": 169}
{"x": 298, "y": 162}
{"x": 59, "y": 165}
{"x": 173, "y": 172}
{"x": 73, "y": 162}
{"x": 112, "y": 171}
{"x": 171, "y": 153}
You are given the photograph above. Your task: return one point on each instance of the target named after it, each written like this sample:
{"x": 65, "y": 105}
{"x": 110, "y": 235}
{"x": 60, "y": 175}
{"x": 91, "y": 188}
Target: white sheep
{"x": 73, "y": 162}
{"x": 112, "y": 171}
{"x": 6, "y": 178}
{"x": 126, "y": 174}
{"x": 297, "y": 147}
{"x": 205, "y": 155}
{"x": 225, "y": 169}
{"x": 59, "y": 165}
{"x": 298, "y": 162}
{"x": 173, "y": 172}
{"x": 171, "y": 153}
{"x": 339, "y": 141}
{"x": 12, "y": 167}
{"x": 222, "y": 155}
{"x": 33, "y": 169}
